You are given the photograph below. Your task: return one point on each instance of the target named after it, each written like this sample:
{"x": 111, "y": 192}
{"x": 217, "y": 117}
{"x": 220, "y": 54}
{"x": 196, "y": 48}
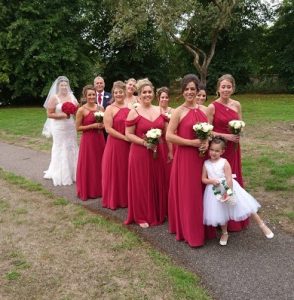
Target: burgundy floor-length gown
{"x": 147, "y": 189}
{"x": 222, "y": 116}
{"x": 115, "y": 165}
{"x": 185, "y": 200}
{"x": 89, "y": 169}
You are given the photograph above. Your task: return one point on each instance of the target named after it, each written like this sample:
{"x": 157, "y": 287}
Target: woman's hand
{"x": 100, "y": 125}
{"x": 235, "y": 138}
{"x": 170, "y": 157}
{"x": 203, "y": 145}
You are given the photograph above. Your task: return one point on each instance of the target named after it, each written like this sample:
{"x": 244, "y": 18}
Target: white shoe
{"x": 223, "y": 241}
{"x": 267, "y": 232}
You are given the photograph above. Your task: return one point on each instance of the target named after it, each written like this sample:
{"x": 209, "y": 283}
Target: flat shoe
{"x": 264, "y": 228}
{"x": 224, "y": 242}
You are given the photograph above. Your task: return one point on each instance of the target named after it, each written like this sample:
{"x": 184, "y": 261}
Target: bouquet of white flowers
{"x": 99, "y": 116}
{"x": 168, "y": 115}
{"x": 152, "y": 138}
{"x": 236, "y": 127}
{"x": 224, "y": 193}
{"x": 203, "y": 132}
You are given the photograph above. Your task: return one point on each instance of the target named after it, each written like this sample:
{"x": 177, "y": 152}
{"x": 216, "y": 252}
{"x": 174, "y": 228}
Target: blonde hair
{"x": 227, "y": 77}
{"x": 118, "y": 85}
{"x": 87, "y": 88}
{"x": 142, "y": 83}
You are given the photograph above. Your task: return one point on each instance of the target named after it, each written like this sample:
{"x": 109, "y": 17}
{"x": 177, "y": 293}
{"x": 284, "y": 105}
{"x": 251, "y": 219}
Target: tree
{"x": 281, "y": 45}
{"x": 40, "y": 41}
{"x": 182, "y": 21}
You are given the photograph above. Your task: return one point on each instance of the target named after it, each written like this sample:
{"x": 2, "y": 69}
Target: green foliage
{"x": 281, "y": 45}
{"x": 40, "y": 41}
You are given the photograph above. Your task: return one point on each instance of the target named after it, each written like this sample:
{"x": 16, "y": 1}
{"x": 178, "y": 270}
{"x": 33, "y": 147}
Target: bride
{"x": 59, "y": 125}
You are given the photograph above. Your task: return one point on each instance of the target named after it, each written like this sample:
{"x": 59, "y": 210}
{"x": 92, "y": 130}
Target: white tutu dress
{"x": 64, "y": 155}
{"x": 219, "y": 213}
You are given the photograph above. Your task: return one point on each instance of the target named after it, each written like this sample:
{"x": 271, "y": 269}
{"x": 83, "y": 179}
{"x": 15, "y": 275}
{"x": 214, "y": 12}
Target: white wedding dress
{"x": 64, "y": 155}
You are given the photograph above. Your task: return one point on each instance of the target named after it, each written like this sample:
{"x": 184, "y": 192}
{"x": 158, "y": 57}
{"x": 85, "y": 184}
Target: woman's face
{"x": 201, "y": 97}
{"x": 91, "y": 96}
{"x": 225, "y": 89}
{"x": 146, "y": 95}
{"x": 163, "y": 99}
{"x": 63, "y": 87}
{"x": 190, "y": 92}
{"x": 131, "y": 87}
{"x": 119, "y": 95}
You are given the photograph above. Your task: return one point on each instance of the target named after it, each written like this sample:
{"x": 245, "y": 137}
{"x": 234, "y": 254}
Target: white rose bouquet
{"x": 152, "y": 138}
{"x": 236, "y": 127}
{"x": 99, "y": 116}
{"x": 203, "y": 132}
{"x": 224, "y": 193}
{"x": 168, "y": 115}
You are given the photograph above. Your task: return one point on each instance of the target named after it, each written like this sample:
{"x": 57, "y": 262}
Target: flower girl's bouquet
{"x": 152, "y": 138}
{"x": 99, "y": 115}
{"x": 236, "y": 127}
{"x": 203, "y": 132}
{"x": 224, "y": 193}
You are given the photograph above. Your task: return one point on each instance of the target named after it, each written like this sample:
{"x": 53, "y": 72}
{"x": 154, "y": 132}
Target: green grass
{"x": 24, "y": 183}
{"x": 186, "y": 285}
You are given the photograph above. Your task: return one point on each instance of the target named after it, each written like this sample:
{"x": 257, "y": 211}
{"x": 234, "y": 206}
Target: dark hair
{"x": 201, "y": 87}
{"x": 219, "y": 141}
{"x": 161, "y": 90}
{"x": 190, "y": 78}
{"x": 87, "y": 88}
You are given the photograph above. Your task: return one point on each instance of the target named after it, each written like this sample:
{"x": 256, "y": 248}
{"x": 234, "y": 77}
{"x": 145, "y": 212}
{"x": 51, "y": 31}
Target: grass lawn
{"x": 53, "y": 249}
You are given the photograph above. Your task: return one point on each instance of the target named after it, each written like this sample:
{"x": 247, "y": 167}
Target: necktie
{"x": 99, "y": 99}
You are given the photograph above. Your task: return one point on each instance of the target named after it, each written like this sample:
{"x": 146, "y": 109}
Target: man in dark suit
{"x": 102, "y": 98}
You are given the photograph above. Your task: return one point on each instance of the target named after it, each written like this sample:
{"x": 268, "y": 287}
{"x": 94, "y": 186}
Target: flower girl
{"x": 224, "y": 199}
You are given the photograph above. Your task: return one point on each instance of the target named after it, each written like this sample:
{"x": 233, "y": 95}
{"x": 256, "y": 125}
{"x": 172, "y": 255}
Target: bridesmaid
{"x": 116, "y": 153}
{"x": 219, "y": 113}
{"x": 147, "y": 190}
{"x": 89, "y": 183}
{"x": 185, "y": 202}
{"x": 131, "y": 100}
{"x": 201, "y": 96}
{"x": 162, "y": 95}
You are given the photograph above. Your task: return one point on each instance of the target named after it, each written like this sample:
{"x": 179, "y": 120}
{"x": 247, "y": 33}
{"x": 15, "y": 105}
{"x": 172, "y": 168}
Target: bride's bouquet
{"x": 99, "y": 115}
{"x": 152, "y": 138}
{"x": 203, "y": 132}
{"x": 69, "y": 108}
{"x": 236, "y": 127}
{"x": 224, "y": 193}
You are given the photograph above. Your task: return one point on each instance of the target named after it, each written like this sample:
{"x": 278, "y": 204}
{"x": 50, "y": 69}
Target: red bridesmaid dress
{"x": 222, "y": 116}
{"x": 115, "y": 165}
{"x": 185, "y": 200}
{"x": 147, "y": 189}
{"x": 89, "y": 183}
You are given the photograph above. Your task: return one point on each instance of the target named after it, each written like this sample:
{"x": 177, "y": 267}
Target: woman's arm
{"x": 171, "y": 135}
{"x": 79, "y": 119}
{"x": 228, "y": 136}
{"x": 51, "y": 110}
{"x": 130, "y": 130}
{"x": 108, "y": 123}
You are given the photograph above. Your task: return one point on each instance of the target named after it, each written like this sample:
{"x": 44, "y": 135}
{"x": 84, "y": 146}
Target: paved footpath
{"x": 250, "y": 267}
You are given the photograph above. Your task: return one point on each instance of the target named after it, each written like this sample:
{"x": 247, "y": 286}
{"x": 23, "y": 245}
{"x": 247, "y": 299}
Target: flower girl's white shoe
{"x": 224, "y": 239}
{"x": 267, "y": 232}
